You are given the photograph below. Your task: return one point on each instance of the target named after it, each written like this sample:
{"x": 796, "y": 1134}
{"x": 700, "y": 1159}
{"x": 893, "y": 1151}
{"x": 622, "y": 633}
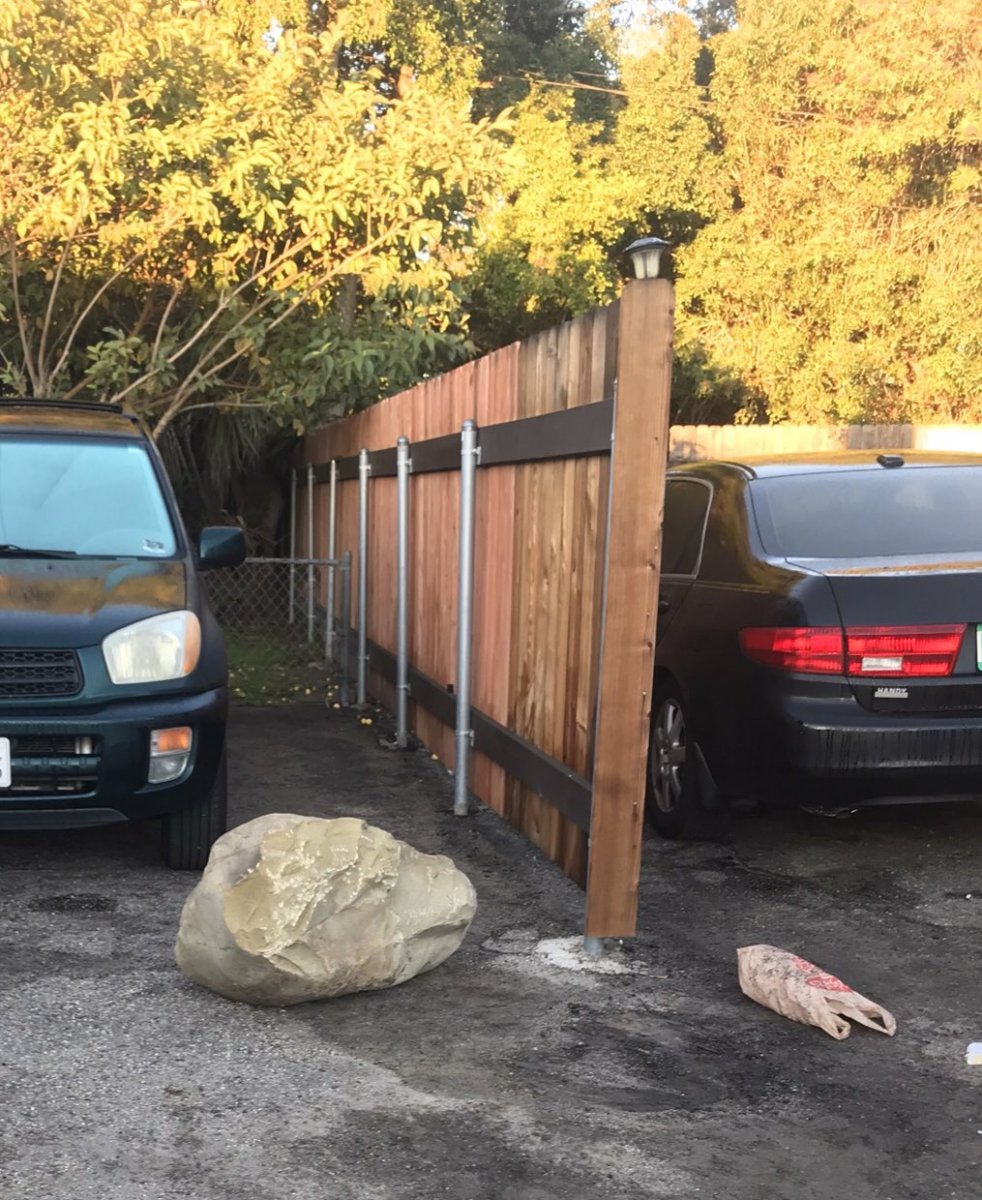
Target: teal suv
{"x": 113, "y": 677}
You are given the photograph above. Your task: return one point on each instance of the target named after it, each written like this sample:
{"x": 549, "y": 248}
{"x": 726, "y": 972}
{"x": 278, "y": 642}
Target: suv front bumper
{"x": 109, "y": 784}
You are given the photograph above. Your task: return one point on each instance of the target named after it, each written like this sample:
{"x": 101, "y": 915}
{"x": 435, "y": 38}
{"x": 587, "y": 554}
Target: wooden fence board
{"x": 691, "y": 442}
{"x": 627, "y": 660}
{"x": 560, "y": 369}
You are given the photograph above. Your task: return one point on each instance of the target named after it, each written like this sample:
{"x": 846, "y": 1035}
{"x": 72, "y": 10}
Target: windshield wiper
{"x": 7, "y": 550}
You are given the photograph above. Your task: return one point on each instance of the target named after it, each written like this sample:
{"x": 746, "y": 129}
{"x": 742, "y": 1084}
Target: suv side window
{"x": 686, "y": 509}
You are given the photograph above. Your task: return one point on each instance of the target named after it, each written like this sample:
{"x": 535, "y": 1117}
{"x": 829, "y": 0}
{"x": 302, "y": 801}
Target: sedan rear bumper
{"x": 821, "y": 750}
{"x": 825, "y": 749}
{"x": 863, "y": 765}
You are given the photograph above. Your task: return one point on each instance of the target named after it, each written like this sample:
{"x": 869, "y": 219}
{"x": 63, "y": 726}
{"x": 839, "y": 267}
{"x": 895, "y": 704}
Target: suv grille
{"x": 53, "y": 765}
{"x": 27, "y": 673}
{"x": 34, "y": 744}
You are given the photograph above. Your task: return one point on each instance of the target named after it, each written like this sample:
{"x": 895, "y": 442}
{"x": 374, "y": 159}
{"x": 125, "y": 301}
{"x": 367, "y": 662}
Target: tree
{"x": 546, "y": 249}
{"x": 190, "y": 219}
{"x": 667, "y": 142}
{"x": 579, "y": 191}
{"x": 292, "y": 209}
{"x": 841, "y": 279}
{"x": 487, "y": 52}
{"x": 817, "y": 167}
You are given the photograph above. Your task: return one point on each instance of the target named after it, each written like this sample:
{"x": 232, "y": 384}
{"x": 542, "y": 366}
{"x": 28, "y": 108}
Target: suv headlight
{"x": 151, "y": 651}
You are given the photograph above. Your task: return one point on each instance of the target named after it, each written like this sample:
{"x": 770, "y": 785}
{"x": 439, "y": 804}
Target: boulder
{"x": 293, "y": 908}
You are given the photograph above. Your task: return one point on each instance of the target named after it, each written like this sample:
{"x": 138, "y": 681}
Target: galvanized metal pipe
{"x": 332, "y": 510}
{"x": 605, "y": 578}
{"x": 465, "y": 611}
{"x": 364, "y": 468}
{"x": 310, "y": 552}
{"x": 594, "y": 946}
{"x": 293, "y": 541}
{"x": 403, "y": 468}
{"x": 346, "y": 628}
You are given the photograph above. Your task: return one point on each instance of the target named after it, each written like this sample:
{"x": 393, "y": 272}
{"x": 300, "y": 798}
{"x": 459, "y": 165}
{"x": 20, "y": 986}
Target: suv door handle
{"x": 664, "y": 606}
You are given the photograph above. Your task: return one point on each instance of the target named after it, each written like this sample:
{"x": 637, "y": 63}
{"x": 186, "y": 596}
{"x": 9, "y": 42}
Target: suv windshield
{"x": 871, "y": 514}
{"x": 83, "y": 496}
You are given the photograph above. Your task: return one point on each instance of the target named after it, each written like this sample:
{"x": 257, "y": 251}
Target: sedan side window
{"x": 686, "y": 509}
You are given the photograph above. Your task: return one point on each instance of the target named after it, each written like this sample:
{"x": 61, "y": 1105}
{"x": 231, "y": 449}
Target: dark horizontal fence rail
{"x": 568, "y": 433}
{"x": 564, "y": 789}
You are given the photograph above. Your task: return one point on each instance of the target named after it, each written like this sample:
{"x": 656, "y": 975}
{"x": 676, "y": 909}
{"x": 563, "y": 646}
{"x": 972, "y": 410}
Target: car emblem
{"x": 891, "y": 693}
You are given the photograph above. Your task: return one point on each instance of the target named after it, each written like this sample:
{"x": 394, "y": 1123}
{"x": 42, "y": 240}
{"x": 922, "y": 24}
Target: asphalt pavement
{"x": 508, "y": 1073}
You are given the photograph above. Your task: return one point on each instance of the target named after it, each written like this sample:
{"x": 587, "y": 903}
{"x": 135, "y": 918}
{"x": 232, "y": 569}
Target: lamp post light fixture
{"x": 645, "y": 255}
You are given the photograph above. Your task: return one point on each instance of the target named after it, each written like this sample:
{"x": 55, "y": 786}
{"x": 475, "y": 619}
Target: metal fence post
{"x": 403, "y": 467}
{"x": 364, "y": 468}
{"x": 332, "y": 510}
{"x": 469, "y": 457}
{"x": 310, "y": 552}
{"x": 346, "y": 629}
{"x": 293, "y": 540}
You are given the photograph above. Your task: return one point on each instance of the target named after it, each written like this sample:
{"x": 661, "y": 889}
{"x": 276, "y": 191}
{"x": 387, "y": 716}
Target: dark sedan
{"x": 819, "y": 635}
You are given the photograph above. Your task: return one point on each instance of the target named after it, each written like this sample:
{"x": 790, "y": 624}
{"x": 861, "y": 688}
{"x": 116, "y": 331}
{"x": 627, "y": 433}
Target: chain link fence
{"x": 280, "y": 644}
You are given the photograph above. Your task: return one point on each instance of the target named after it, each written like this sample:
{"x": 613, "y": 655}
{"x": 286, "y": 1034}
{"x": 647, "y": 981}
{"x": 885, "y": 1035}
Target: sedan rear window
{"x": 871, "y": 514}
{"x": 82, "y": 496}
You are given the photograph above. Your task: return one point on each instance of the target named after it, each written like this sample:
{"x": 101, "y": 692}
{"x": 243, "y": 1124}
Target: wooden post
{"x": 637, "y": 497}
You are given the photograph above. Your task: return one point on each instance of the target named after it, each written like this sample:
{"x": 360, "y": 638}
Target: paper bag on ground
{"x": 798, "y": 989}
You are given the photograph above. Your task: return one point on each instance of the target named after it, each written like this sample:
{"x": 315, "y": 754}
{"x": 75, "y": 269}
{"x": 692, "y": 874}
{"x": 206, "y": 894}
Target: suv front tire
{"x": 189, "y": 834}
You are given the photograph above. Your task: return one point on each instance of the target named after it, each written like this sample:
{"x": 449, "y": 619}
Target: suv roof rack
{"x": 84, "y": 405}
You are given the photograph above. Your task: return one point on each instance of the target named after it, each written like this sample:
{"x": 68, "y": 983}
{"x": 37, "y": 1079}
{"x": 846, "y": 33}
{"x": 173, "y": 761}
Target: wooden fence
{"x": 562, "y": 665}
{"x": 688, "y": 442}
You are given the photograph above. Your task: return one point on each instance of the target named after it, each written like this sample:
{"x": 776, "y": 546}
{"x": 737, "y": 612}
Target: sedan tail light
{"x": 806, "y": 651}
{"x": 909, "y": 651}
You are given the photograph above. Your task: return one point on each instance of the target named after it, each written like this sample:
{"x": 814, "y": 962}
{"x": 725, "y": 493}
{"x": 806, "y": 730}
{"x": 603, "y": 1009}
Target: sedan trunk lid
{"x": 913, "y": 591}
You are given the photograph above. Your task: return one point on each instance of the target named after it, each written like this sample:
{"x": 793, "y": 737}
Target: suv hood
{"x": 71, "y": 603}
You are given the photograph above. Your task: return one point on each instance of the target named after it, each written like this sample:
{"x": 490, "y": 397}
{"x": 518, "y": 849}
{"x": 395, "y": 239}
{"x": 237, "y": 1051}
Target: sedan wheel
{"x": 667, "y": 756}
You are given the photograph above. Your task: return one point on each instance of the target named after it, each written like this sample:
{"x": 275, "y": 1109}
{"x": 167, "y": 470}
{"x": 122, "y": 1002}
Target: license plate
{"x": 4, "y": 762}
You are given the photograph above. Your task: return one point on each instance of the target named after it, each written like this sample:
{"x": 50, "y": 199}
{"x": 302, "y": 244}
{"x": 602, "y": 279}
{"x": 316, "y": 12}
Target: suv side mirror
{"x": 221, "y": 546}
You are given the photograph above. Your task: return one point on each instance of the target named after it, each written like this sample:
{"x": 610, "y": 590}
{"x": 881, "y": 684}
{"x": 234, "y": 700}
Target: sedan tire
{"x": 682, "y": 801}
